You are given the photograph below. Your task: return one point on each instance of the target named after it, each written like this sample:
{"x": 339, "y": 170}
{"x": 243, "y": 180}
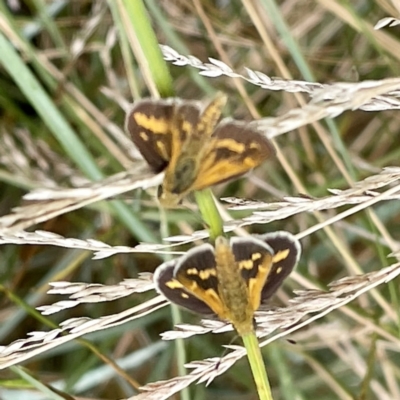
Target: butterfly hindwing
{"x": 254, "y": 260}
{"x": 174, "y": 291}
{"x": 198, "y": 274}
{"x": 183, "y": 125}
{"x": 287, "y": 251}
{"x": 210, "y": 116}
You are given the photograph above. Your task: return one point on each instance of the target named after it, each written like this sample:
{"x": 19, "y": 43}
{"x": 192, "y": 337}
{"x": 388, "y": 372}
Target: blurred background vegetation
{"x": 69, "y": 69}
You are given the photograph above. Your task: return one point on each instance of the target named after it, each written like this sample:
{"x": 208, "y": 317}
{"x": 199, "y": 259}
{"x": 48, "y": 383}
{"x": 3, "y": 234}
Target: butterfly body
{"x": 232, "y": 279}
{"x": 188, "y": 142}
{"x": 233, "y": 289}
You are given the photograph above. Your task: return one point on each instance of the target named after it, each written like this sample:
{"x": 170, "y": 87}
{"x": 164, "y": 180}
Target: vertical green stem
{"x": 257, "y": 366}
{"x": 209, "y": 212}
{"x": 147, "y": 39}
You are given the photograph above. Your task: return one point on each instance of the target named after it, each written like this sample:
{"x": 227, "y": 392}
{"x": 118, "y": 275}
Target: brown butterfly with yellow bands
{"x": 231, "y": 279}
{"x": 185, "y": 139}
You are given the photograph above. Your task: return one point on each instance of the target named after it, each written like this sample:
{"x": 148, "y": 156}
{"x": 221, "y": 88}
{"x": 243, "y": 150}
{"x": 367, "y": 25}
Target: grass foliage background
{"x": 65, "y": 84}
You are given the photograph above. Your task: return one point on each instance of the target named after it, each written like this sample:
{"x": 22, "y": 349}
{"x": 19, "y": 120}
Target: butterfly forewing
{"x": 149, "y": 124}
{"x": 159, "y": 127}
{"x": 174, "y": 291}
{"x": 287, "y": 251}
{"x": 235, "y": 148}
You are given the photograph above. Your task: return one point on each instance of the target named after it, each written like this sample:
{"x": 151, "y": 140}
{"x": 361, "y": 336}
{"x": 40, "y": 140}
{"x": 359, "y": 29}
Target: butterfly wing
{"x": 287, "y": 251}
{"x": 149, "y": 124}
{"x": 159, "y": 127}
{"x": 197, "y": 272}
{"x": 254, "y": 258}
{"x": 174, "y": 291}
{"x": 234, "y": 149}
{"x": 183, "y": 124}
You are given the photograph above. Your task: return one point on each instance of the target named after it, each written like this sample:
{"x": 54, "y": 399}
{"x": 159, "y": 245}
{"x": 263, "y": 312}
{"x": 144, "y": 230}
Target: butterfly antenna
{"x": 226, "y": 351}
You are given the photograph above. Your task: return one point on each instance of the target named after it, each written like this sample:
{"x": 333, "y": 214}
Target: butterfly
{"x": 185, "y": 139}
{"x": 232, "y": 279}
